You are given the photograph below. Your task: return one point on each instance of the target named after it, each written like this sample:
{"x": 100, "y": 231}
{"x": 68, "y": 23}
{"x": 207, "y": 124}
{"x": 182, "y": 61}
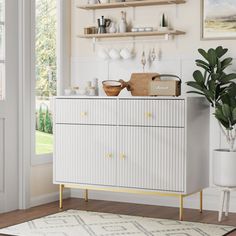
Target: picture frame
{"x": 218, "y": 19}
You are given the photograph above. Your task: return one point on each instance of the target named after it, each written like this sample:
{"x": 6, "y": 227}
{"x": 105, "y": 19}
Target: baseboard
{"x": 47, "y": 198}
{"x": 210, "y": 199}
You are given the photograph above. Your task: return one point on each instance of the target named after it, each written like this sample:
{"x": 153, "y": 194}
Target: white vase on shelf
{"x": 123, "y": 24}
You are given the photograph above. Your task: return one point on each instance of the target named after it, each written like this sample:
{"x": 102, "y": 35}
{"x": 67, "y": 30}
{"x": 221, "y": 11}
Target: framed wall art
{"x": 218, "y": 19}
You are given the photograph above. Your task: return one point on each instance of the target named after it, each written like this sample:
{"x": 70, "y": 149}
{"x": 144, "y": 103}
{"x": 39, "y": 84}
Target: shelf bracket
{"x": 94, "y": 44}
{"x": 167, "y": 37}
{"x": 133, "y": 38}
{"x": 134, "y": 13}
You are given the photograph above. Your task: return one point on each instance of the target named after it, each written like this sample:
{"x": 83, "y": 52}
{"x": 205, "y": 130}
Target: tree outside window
{"x": 46, "y": 76}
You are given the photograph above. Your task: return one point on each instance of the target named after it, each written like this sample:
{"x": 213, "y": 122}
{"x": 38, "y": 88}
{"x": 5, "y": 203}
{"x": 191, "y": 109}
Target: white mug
{"x": 103, "y": 54}
{"x": 114, "y": 54}
{"x": 125, "y": 53}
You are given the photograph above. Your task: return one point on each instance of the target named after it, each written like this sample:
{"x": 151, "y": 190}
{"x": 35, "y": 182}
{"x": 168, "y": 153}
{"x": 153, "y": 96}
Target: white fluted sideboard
{"x": 136, "y": 145}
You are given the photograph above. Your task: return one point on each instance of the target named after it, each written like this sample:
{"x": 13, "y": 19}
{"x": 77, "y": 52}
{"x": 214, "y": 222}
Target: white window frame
{"x": 2, "y": 62}
{"x": 63, "y": 67}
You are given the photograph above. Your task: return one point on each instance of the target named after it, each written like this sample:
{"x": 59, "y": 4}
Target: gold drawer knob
{"x": 148, "y": 114}
{"x": 122, "y": 156}
{"x": 83, "y": 114}
{"x": 109, "y": 155}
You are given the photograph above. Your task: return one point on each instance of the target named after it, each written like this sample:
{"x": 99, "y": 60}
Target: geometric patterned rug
{"x": 84, "y": 223}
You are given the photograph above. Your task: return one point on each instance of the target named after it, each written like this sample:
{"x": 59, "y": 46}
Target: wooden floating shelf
{"x": 131, "y": 34}
{"x": 129, "y": 4}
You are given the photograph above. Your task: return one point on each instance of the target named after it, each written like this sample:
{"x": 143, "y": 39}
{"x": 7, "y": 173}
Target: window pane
{"x": 45, "y": 49}
{"x": 2, "y": 10}
{"x": 2, "y": 49}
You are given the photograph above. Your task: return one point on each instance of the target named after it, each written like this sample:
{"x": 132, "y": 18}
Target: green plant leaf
{"x": 195, "y": 85}
{"x": 203, "y": 66}
{"x": 217, "y": 92}
{"x": 212, "y": 58}
{"x": 203, "y": 53}
{"x": 215, "y": 76}
{"x": 212, "y": 86}
{"x": 219, "y": 68}
{"x": 209, "y": 94}
{"x": 228, "y": 78}
{"x": 198, "y": 77}
{"x": 234, "y": 114}
{"x": 220, "y": 51}
{"x": 226, "y": 111}
{"x": 225, "y": 124}
{"x": 202, "y": 62}
{"x": 220, "y": 113}
{"x": 232, "y": 89}
{"x": 225, "y": 63}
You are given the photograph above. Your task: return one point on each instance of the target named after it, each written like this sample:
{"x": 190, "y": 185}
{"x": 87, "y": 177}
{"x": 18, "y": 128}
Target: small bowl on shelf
{"x": 113, "y": 87}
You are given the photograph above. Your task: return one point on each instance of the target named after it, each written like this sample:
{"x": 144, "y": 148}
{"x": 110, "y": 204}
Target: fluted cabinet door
{"x": 85, "y": 154}
{"x": 151, "y": 158}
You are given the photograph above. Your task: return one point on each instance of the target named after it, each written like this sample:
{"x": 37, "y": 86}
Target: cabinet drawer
{"x": 85, "y": 111}
{"x": 164, "y": 113}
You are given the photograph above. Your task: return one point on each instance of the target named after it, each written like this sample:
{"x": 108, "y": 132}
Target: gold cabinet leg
{"x": 181, "y": 207}
{"x": 61, "y": 188}
{"x": 201, "y": 201}
{"x": 86, "y": 195}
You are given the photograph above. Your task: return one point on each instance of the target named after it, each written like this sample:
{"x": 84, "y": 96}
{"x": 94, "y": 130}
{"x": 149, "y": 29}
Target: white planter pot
{"x": 224, "y": 168}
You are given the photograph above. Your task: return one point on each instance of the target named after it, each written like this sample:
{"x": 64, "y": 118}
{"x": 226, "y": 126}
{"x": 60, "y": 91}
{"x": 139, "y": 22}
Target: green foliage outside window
{"x": 41, "y": 120}
{"x": 46, "y": 68}
{"x": 45, "y": 48}
{"x": 48, "y": 123}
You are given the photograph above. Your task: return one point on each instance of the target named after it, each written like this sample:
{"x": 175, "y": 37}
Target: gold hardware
{"x": 148, "y": 114}
{"x": 109, "y": 155}
{"x": 181, "y": 207}
{"x": 61, "y": 188}
{"x": 86, "y": 195}
{"x": 83, "y": 114}
{"x": 122, "y": 156}
{"x": 181, "y": 196}
{"x": 201, "y": 201}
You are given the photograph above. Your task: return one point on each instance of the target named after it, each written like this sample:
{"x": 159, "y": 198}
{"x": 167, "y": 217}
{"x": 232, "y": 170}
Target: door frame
{"x": 25, "y": 65}
{"x": 26, "y": 86}
{"x": 9, "y": 111}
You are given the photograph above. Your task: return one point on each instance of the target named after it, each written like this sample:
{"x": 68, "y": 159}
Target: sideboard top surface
{"x": 130, "y": 97}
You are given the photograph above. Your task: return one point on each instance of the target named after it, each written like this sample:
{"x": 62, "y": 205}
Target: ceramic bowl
{"x": 112, "y": 87}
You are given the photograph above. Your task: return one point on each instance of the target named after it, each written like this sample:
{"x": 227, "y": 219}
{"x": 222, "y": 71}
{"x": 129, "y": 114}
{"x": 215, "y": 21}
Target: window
{"x": 45, "y": 73}
{"x": 2, "y": 49}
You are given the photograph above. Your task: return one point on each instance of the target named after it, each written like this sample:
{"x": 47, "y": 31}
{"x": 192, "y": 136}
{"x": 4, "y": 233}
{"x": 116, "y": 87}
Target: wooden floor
{"x": 20, "y": 216}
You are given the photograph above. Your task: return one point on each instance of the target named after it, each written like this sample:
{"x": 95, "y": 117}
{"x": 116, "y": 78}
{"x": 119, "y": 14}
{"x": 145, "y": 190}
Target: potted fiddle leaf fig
{"x": 219, "y": 88}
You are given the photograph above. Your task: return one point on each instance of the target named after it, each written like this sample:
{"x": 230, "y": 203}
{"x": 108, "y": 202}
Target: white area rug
{"x": 83, "y": 223}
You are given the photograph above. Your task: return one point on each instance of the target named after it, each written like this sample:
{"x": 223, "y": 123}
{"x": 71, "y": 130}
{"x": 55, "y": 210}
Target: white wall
{"x": 177, "y": 57}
